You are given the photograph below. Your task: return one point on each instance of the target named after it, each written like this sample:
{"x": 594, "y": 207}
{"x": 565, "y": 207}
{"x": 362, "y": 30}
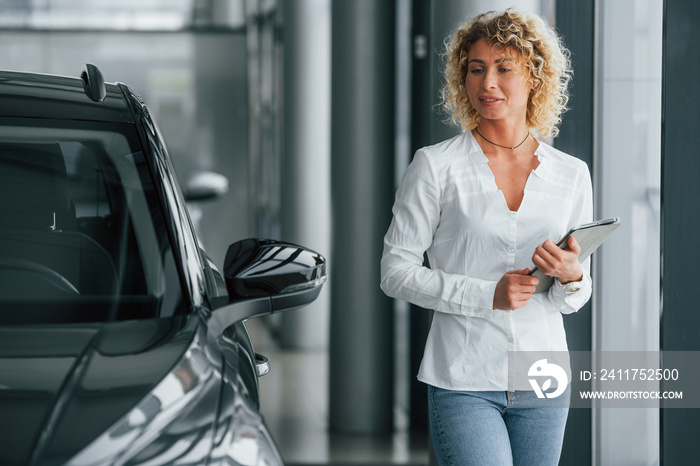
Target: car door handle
{"x": 262, "y": 364}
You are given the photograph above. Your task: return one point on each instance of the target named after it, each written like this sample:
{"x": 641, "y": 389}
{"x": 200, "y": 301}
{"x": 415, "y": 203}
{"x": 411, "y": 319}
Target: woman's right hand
{"x": 514, "y": 290}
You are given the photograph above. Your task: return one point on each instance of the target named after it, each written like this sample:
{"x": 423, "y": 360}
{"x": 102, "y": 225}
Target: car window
{"x": 82, "y": 235}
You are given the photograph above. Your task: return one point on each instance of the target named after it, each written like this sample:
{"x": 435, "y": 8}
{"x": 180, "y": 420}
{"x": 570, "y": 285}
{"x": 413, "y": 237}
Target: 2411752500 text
{"x": 630, "y": 374}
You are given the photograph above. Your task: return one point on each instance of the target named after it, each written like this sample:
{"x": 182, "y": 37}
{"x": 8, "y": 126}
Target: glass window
{"x": 154, "y": 15}
{"x": 82, "y": 236}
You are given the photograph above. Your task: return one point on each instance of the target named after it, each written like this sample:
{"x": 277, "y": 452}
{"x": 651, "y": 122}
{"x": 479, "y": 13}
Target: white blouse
{"x": 449, "y": 206}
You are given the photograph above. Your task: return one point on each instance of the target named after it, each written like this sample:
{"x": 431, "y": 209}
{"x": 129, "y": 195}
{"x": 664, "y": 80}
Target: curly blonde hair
{"x": 543, "y": 56}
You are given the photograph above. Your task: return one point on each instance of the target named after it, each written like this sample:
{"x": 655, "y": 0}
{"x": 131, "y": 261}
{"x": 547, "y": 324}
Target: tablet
{"x": 589, "y": 237}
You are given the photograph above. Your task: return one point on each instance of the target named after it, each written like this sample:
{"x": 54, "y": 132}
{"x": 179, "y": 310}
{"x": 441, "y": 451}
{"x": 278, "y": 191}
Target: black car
{"x": 120, "y": 341}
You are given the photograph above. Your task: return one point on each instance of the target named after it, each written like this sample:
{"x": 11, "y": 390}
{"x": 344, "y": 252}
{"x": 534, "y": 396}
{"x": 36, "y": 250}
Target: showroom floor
{"x": 294, "y": 399}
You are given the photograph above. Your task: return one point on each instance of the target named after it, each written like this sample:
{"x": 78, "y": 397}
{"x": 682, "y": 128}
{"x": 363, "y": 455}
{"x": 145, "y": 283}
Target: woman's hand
{"x": 557, "y": 262}
{"x": 514, "y": 290}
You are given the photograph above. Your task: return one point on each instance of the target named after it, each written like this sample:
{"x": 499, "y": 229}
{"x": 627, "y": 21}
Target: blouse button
{"x": 511, "y": 249}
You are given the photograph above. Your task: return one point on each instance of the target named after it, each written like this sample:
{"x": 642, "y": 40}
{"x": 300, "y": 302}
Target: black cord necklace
{"x": 505, "y": 147}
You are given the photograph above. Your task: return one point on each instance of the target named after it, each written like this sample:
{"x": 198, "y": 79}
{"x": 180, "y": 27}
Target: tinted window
{"x": 82, "y": 236}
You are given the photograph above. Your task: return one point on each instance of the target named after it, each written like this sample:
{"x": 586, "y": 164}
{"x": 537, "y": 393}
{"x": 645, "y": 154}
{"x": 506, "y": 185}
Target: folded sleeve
{"x": 416, "y": 216}
{"x": 582, "y": 212}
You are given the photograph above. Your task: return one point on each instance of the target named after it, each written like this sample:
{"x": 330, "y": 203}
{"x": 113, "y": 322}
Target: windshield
{"x": 82, "y": 236}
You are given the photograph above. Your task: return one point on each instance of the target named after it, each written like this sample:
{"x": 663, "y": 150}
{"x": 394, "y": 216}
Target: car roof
{"x": 34, "y": 95}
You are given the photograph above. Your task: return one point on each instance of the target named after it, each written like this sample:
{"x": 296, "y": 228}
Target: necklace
{"x": 505, "y": 147}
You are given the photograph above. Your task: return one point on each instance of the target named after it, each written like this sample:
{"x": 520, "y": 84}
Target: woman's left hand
{"x": 560, "y": 263}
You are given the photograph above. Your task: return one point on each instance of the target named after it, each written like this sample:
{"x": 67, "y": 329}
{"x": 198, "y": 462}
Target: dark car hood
{"x": 62, "y": 386}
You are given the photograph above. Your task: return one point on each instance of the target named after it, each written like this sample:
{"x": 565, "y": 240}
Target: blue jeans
{"x": 497, "y": 428}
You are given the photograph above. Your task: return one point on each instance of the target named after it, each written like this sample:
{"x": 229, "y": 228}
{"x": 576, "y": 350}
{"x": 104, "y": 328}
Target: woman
{"x": 485, "y": 206}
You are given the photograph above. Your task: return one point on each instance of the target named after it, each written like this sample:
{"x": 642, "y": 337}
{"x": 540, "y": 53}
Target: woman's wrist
{"x": 564, "y": 281}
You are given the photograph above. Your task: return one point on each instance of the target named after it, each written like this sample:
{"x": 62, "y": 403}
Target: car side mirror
{"x": 205, "y": 186}
{"x": 290, "y": 275}
{"x": 266, "y": 276}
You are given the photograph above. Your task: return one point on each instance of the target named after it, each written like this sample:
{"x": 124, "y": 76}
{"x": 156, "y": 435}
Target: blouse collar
{"x": 542, "y": 152}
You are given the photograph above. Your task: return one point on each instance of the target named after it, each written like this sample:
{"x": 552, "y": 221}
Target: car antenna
{"x": 93, "y": 82}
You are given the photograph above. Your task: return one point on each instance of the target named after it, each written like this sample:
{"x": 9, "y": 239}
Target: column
{"x": 362, "y": 143}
